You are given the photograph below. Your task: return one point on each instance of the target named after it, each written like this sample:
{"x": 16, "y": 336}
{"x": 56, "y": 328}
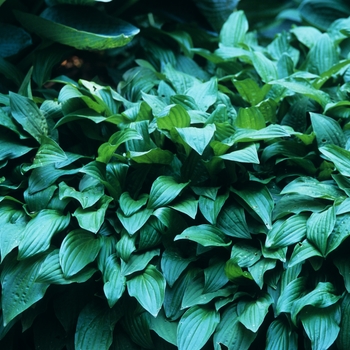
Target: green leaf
{"x": 258, "y": 270}
{"x": 265, "y": 68}
{"x": 321, "y": 297}
{"x": 343, "y": 340}
{"x": 290, "y": 231}
{"x": 248, "y": 154}
{"x": 87, "y": 197}
{"x": 204, "y": 94}
{"x": 235, "y": 273}
{"x": 138, "y": 262}
{"x": 80, "y": 27}
{"x": 340, "y": 233}
{"x": 252, "y": 313}
{"x": 195, "y": 327}
{"x": 173, "y": 116}
{"x": 339, "y": 156}
{"x": 231, "y": 333}
{"x": 250, "y": 118}
{"x": 327, "y": 130}
{"x": 172, "y": 265}
{"x": 302, "y": 251}
{"x": 153, "y": 156}
{"x": 197, "y": 138}
{"x": 321, "y": 325}
{"x": 126, "y": 245}
{"x": 27, "y": 114}
{"x": 319, "y": 228}
{"x": 149, "y": 289}
{"x": 95, "y": 326}
{"x": 39, "y": 231}
{"x": 211, "y": 208}
{"x": 231, "y": 220}
{"x": 114, "y": 281}
{"x": 259, "y": 199}
{"x": 164, "y": 328}
{"x": 234, "y": 29}
{"x": 290, "y": 294}
{"x": 78, "y": 249}
{"x": 186, "y": 206}
{"x": 307, "y": 35}
{"x": 130, "y": 206}
{"x": 280, "y": 336}
{"x": 342, "y": 264}
{"x": 311, "y": 187}
{"x": 250, "y": 90}
{"x": 163, "y": 191}
{"x": 106, "y": 150}
{"x": 135, "y": 221}
{"x": 91, "y": 219}
{"x": 15, "y": 40}
{"x": 206, "y": 235}
{"x": 19, "y": 289}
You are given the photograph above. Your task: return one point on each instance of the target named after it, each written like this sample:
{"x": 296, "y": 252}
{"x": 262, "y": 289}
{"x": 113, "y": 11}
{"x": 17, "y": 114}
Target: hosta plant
{"x": 202, "y": 203}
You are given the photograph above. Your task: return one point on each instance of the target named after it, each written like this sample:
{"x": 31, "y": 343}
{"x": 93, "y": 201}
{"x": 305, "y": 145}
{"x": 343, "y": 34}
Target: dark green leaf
{"x": 280, "y": 336}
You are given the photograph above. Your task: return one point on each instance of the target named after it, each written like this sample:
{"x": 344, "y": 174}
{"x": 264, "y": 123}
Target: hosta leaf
{"x": 106, "y": 150}
{"x": 291, "y": 231}
{"x": 327, "y": 130}
{"x": 248, "y": 154}
{"x": 114, "y": 280}
{"x": 311, "y": 187}
{"x": 290, "y": 294}
{"x": 95, "y": 326}
{"x": 135, "y": 221}
{"x": 39, "y": 232}
{"x": 28, "y": 115}
{"x": 340, "y": 233}
{"x": 12, "y": 224}
{"x": 87, "y": 198}
{"x": 206, "y": 235}
{"x": 80, "y": 27}
{"x": 234, "y": 29}
{"x": 321, "y": 297}
{"x": 204, "y": 94}
{"x": 234, "y": 272}
{"x": 323, "y": 55}
{"x": 215, "y": 276}
{"x": 259, "y": 199}
{"x": 173, "y": 116}
{"x": 250, "y": 90}
{"x": 49, "y": 152}
{"x": 319, "y": 227}
{"x": 149, "y": 289}
{"x": 126, "y": 245}
{"x": 265, "y": 67}
{"x": 250, "y": 118}
{"x": 91, "y": 219}
{"x": 129, "y": 205}
{"x": 342, "y": 264}
{"x": 258, "y": 270}
{"x": 211, "y": 208}
{"x": 303, "y": 251}
{"x": 339, "y": 156}
{"x": 252, "y": 313}
{"x": 78, "y": 249}
{"x": 321, "y": 325}
{"x": 195, "y": 327}
{"x": 138, "y": 262}
{"x": 244, "y": 255}
{"x": 343, "y": 340}
{"x": 232, "y": 221}
{"x": 188, "y": 206}
{"x": 163, "y": 191}
{"x": 231, "y": 333}
{"x": 197, "y": 138}
{"x": 173, "y": 264}
{"x": 153, "y": 156}
{"x": 19, "y": 289}
{"x": 280, "y": 336}
{"x": 307, "y": 35}
{"x": 165, "y": 329}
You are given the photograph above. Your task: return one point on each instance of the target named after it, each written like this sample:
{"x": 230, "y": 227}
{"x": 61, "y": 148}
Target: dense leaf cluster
{"x": 199, "y": 202}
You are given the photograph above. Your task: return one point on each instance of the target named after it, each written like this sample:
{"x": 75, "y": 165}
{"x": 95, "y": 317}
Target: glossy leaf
{"x": 195, "y": 327}
{"x": 80, "y": 27}
{"x": 138, "y": 262}
{"x": 339, "y": 156}
{"x": 234, "y": 29}
{"x": 135, "y": 221}
{"x": 280, "y": 336}
{"x": 206, "y": 235}
{"x": 149, "y": 289}
{"x": 343, "y": 340}
{"x": 78, "y": 249}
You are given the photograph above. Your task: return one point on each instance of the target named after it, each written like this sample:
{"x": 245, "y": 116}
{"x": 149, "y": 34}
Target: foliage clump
{"x": 198, "y": 199}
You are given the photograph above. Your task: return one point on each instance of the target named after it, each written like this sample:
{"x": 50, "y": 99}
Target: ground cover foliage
{"x": 194, "y": 195}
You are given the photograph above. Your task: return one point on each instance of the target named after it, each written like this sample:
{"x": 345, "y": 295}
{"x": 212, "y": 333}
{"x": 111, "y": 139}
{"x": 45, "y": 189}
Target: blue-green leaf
{"x": 78, "y": 249}
{"x": 149, "y": 289}
{"x": 138, "y": 262}
{"x": 339, "y": 156}
{"x": 234, "y": 29}
{"x": 195, "y": 327}
{"x": 280, "y": 336}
